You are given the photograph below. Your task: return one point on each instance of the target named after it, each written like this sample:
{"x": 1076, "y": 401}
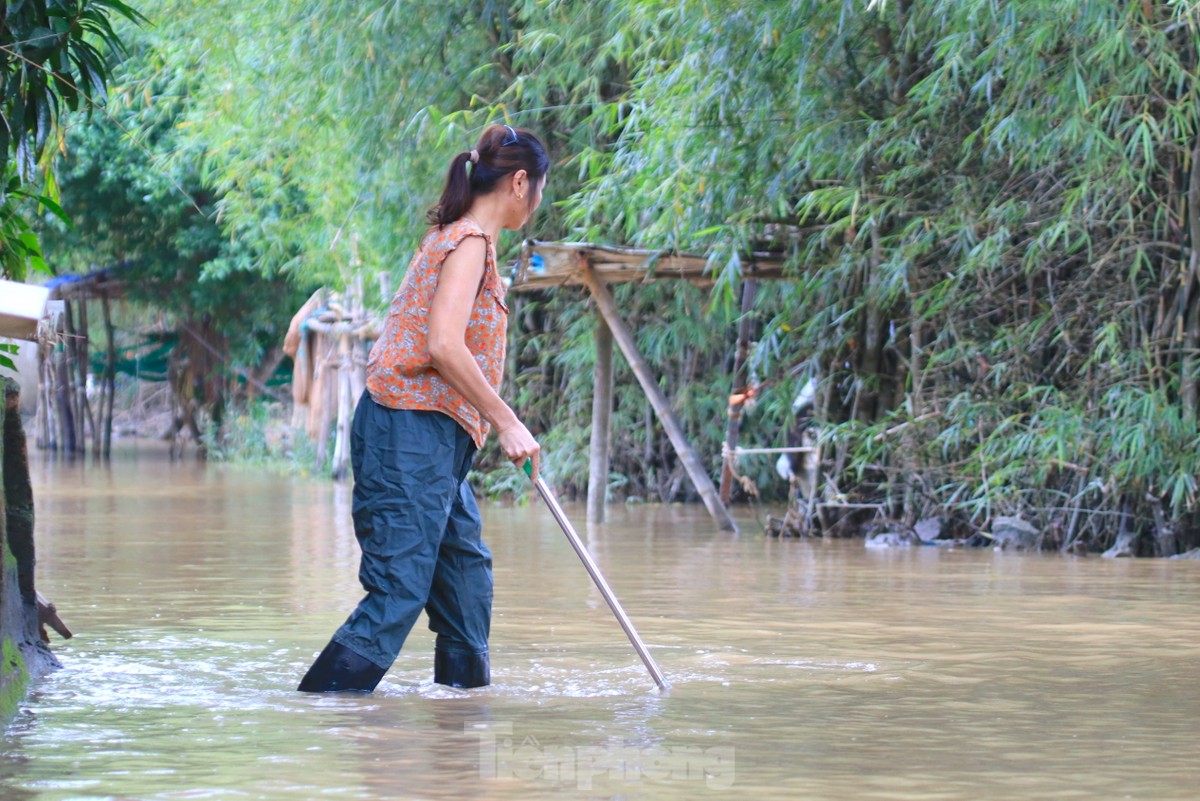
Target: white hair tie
{"x": 474, "y": 156}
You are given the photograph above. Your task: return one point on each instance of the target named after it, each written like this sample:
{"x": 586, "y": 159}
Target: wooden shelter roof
{"x": 549, "y": 264}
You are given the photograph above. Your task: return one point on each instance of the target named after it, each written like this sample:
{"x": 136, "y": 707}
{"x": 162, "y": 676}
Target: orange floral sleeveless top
{"x": 400, "y": 374}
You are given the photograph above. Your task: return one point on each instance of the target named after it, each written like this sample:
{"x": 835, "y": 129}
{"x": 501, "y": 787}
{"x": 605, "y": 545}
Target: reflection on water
{"x": 812, "y": 670}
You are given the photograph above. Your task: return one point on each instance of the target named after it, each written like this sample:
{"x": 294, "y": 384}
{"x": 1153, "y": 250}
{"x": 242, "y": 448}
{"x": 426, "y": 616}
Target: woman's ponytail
{"x": 456, "y": 196}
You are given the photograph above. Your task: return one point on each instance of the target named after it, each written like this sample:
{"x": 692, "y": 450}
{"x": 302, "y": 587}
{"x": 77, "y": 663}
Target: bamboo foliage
{"x": 992, "y": 209}
{"x": 988, "y": 213}
{"x": 53, "y": 60}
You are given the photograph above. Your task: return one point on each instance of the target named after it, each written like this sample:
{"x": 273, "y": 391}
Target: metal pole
{"x": 601, "y": 584}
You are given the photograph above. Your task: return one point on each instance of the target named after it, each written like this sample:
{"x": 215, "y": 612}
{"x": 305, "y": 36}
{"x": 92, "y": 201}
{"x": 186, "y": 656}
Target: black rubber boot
{"x": 461, "y": 669}
{"x": 339, "y": 669}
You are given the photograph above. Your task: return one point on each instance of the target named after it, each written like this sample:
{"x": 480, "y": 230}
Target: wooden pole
{"x": 62, "y": 397}
{"x": 662, "y": 407}
{"x": 84, "y": 362}
{"x": 733, "y": 426}
{"x": 41, "y": 418}
{"x": 110, "y": 378}
{"x": 357, "y": 366}
{"x": 62, "y": 386}
{"x": 327, "y": 390}
{"x": 602, "y": 403}
{"x": 345, "y": 408}
{"x": 75, "y": 386}
{"x": 50, "y": 422}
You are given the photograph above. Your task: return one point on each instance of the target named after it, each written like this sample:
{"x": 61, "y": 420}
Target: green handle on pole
{"x": 529, "y": 467}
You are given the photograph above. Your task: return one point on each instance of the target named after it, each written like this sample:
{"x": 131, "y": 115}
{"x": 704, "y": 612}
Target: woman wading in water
{"x": 431, "y": 399}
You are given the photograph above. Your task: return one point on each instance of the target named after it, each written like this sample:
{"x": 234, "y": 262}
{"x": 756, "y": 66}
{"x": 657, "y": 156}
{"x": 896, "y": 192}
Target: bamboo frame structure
{"x": 329, "y": 347}
{"x": 64, "y": 412}
{"x": 545, "y": 265}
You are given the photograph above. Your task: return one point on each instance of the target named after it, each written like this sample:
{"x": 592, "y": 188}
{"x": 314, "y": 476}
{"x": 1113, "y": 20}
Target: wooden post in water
{"x": 345, "y": 405}
{"x": 75, "y": 394}
{"x": 41, "y": 420}
{"x": 62, "y": 387}
{"x": 734, "y": 425}
{"x": 84, "y": 363}
{"x": 602, "y": 402}
{"x": 662, "y": 407}
{"x": 110, "y": 378}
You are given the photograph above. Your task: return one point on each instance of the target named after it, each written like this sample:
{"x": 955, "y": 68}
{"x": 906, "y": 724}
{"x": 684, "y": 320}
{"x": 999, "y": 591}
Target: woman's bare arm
{"x": 449, "y": 314}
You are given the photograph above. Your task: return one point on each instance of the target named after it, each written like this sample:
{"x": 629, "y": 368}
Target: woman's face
{"x": 522, "y": 206}
{"x": 540, "y": 184}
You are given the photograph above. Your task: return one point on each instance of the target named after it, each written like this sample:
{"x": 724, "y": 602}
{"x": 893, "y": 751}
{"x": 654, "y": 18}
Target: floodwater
{"x": 800, "y": 669}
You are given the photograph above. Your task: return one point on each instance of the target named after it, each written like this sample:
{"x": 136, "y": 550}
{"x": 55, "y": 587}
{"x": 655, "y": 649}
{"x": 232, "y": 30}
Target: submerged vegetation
{"x": 988, "y": 212}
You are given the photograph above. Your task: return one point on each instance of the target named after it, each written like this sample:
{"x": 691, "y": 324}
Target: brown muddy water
{"x": 814, "y": 670}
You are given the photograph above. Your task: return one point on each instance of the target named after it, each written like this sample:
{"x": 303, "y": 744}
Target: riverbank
{"x": 23, "y": 655}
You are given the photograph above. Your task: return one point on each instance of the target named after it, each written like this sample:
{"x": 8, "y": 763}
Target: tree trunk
{"x": 19, "y": 622}
{"x": 872, "y": 341}
{"x": 1191, "y": 325}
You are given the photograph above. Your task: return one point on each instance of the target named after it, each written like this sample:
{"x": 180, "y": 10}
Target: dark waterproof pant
{"x": 420, "y": 532}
